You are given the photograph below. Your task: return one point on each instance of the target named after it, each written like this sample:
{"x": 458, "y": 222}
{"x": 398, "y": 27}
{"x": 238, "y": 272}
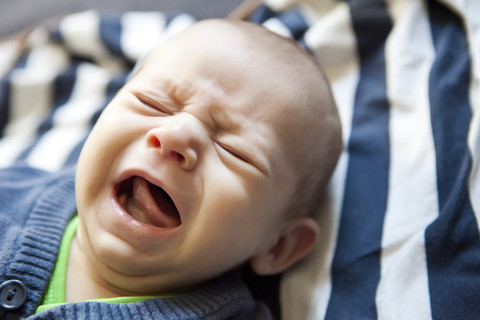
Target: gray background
{"x": 16, "y": 15}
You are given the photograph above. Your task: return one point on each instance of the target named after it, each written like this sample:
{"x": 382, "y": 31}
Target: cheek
{"x": 97, "y": 155}
{"x": 112, "y": 132}
{"x": 90, "y": 161}
{"x": 239, "y": 213}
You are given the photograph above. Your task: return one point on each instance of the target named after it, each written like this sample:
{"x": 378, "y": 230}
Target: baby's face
{"x": 185, "y": 174}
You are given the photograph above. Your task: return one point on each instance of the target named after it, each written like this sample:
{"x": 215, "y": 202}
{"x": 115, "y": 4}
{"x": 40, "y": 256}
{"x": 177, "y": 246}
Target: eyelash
{"x": 234, "y": 153}
{"x": 151, "y": 104}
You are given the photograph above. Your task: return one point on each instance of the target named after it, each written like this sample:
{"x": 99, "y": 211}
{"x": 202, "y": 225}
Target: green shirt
{"x": 55, "y": 294}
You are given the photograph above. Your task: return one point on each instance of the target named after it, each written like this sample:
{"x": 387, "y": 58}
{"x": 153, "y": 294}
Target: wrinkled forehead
{"x": 223, "y": 53}
{"x": 225, "y": 62}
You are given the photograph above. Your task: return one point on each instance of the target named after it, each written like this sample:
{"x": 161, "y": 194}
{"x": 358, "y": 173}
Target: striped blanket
{"x": 400, "y": 226}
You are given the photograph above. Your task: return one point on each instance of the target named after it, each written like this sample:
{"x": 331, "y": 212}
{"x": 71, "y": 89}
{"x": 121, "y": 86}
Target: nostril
{"x": 179, "y": 157}
{"x": 155, "y": 142}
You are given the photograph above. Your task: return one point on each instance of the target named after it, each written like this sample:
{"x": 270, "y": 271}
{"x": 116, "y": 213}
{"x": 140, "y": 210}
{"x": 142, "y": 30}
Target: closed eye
{"x": 244, "y": 158}
{"x": 151, "y": 103}
{"x": 237, "y": 154}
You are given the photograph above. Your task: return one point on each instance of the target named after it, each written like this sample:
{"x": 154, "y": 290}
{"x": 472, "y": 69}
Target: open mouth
{"x": 147, "y": 203}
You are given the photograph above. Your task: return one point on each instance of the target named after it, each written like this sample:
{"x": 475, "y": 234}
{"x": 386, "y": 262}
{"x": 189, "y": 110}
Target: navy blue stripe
{"x": 4, "y": 103}
{"x": 5, "y": 87}
{"x": 110, "y": 33}
{"x": 21, "y": 63}
{"x": 63, "y": 88}
{"x": 171, "y": 15}
{"x": 452, "y": 240}
{"x": 356, "y": 264}
{"x": 56, "y": 35}
{"x": 295, "y": 22}
{"x": 262, "y": 14}
{"x": 112, "y": 88}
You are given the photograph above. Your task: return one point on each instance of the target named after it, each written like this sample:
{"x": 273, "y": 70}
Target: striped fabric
{"x": 400, "y": 234}
{"x": 400, "y": 230}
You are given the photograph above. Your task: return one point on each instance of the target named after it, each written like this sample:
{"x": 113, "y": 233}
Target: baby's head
{"x": 211, "y": 156}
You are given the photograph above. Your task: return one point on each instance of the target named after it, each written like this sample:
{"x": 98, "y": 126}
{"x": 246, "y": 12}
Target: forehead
{"x": 222, "y": 70}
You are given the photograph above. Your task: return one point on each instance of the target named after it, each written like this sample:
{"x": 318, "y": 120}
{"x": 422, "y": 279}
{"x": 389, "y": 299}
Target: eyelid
{"x": 235, "y": 153}
{"x": 242, "y": 157}
{"x": 149, "y": 102}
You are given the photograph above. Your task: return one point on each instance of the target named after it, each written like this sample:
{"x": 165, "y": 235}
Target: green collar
{"x": 55, "y": 294}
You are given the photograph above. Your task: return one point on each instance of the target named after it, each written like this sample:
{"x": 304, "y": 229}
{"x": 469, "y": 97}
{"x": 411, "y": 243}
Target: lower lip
{"x": 134, "y": 230}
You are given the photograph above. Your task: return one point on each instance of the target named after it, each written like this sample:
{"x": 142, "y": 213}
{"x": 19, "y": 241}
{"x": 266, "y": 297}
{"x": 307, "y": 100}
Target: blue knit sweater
{"x": 35, "y": 208}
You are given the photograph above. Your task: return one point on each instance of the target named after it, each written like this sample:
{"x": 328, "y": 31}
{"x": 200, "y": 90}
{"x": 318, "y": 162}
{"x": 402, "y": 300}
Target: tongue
{"x": 148, "y": 204}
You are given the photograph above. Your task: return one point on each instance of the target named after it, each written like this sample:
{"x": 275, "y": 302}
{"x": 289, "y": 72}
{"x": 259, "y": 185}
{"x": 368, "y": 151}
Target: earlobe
{"x": 297, "y": 239}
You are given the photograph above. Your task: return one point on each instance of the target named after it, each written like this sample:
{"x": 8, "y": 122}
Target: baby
{"x": 212, "y": 157}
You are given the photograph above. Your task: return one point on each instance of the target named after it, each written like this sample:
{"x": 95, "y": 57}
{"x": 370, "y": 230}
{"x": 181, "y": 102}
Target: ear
{"x": 296, "y": 240}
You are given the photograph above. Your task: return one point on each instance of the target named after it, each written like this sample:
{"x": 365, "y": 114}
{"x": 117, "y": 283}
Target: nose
{"x": 179, "y": 138}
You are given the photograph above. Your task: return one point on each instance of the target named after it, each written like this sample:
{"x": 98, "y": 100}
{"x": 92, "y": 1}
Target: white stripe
{"x": 333, "y": 42}
{"x": 32, "y": 89}
{"x": 9, "y": 52}
{"x": 53, "y": 149}
{"x": 178, "y": 24}
{"x": 279, "y": 5}
{"x": 412, "y": 200}
{"x": 81, "y": 33}
{"x": 306, "y": 289}
{"x": 48, "y": 59}
{"x": 474, "y": 145}
{"x": 72, "y": 120}
{"x": 11, "y": 147}
{"x": 277, "y": 27}
{"x": 30, "y": 101}
{"x": 141, "y": 32}
{"x": 30, "y": 97}
{"x": 469, "y": 11}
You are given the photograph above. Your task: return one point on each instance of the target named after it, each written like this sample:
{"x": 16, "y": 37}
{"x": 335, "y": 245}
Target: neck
{"x": 82, "y": 282}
